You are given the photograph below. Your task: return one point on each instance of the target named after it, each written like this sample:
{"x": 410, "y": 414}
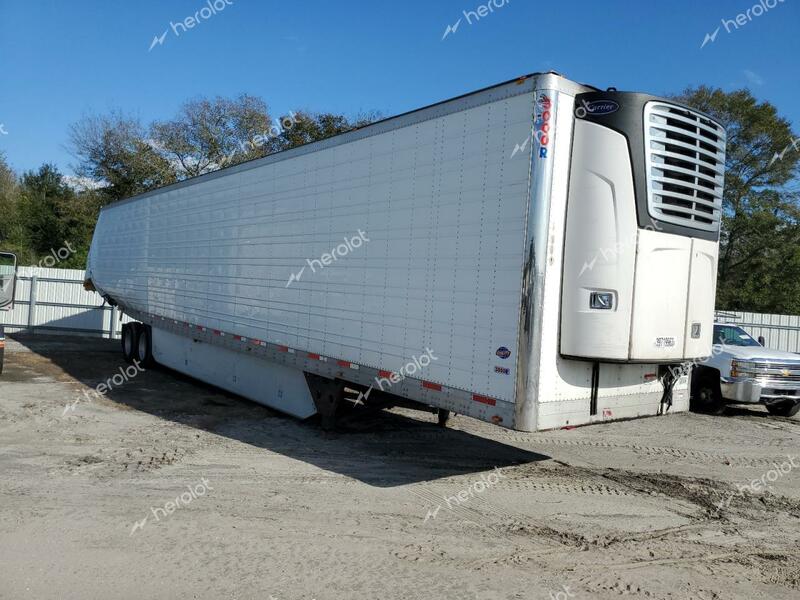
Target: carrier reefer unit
{"x": 534, "y": 254}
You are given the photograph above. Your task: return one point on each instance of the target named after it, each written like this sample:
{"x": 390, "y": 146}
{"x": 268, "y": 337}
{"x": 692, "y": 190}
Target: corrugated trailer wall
{"x": 440, "y": 195}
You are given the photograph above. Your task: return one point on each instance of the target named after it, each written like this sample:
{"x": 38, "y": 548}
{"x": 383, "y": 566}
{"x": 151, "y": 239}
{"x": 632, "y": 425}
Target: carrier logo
{"x": 596, "y": 107}
{"x": 503, "y": 352}
{"x": 541, "y": 124}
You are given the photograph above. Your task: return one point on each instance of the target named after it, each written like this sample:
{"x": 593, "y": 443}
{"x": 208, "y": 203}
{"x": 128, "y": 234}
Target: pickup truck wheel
{"x": 786, "y": 408}
{"x": 706, "y": 396}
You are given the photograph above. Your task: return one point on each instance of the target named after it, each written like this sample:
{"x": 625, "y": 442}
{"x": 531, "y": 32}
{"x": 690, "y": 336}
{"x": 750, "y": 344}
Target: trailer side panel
{"x": 270, "y": 250}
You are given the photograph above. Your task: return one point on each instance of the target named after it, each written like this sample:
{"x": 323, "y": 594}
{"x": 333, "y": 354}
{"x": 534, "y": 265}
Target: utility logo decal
{"x": 541, "y": 124}
{"x": 503, "y": 352}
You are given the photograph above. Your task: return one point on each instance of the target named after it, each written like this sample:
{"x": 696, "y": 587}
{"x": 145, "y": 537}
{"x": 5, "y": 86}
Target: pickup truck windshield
{"x": 732, "y": 336}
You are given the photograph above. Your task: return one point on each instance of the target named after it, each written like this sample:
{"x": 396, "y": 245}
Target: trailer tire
{"x": 144, "y": 346}
{"x": 787, "y": 408}
{"x": 706, "y": 395}
{"x": 130, "y": 339}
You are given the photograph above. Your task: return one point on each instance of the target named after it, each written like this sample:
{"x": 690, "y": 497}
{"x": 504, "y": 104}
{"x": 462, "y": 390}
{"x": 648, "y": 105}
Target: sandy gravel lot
{"x": 165, "y": 488}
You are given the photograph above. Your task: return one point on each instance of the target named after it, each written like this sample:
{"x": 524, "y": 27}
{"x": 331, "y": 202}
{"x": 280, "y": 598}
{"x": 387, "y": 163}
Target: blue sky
{"x": 60, "y": 60}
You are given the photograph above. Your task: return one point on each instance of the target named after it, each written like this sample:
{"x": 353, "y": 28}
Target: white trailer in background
{"x": 551, "y": 247}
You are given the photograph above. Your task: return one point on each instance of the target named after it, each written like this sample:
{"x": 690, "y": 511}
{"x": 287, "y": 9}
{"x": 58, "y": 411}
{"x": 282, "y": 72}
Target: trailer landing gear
{"x": 336, "y": 406}
{"x": 327, "y": 395}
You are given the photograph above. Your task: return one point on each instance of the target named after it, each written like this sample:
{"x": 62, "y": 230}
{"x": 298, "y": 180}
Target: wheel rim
{"x": 706, "y": 400}
{"x": 706, "y": 396}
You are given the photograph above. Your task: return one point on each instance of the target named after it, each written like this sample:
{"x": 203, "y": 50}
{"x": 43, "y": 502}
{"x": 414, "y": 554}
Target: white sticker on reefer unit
{"x": 665, "y": 342}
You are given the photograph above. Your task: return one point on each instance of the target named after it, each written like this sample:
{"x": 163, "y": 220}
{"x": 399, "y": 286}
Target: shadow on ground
{"x": 388, "y": 450}
{"x": 757, "y": 412}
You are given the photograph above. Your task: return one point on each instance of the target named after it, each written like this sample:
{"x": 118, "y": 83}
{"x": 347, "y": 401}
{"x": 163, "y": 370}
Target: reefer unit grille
{"x": 685, "y": 159}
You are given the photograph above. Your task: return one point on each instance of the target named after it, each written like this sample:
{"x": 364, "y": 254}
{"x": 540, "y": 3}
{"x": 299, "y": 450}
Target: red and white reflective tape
{"x": 429, "y": 385}
{"x": 484, "y": 399}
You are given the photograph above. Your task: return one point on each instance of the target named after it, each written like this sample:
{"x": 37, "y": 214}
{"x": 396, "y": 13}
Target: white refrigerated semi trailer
{"x": 549, "y": 246}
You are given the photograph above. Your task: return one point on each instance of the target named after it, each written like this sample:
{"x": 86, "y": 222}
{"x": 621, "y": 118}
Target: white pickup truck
{"x": 741, "y": 370}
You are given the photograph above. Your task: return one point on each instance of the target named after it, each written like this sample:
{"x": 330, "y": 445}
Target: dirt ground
{"x": 166, "y": 488}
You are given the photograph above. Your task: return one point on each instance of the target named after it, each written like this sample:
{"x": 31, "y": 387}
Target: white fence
{"x": 53, "y": 301}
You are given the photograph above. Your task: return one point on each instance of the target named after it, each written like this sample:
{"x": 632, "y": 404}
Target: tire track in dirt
{"x": 656, "y": 451}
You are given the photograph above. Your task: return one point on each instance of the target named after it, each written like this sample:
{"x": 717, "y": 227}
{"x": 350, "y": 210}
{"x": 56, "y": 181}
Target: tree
{"x": 12, "y": 232}
{"x": 759, "y": 266}
{"x": 43, "y": 204}
{"x": 41, "y": 214}
{"x": 8, "y": 190}
{"x": 206, "y": 135}
{"x": 115, "y": 151}
{"x": 209, "y": 133}
{"x": 311, "y": 127}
